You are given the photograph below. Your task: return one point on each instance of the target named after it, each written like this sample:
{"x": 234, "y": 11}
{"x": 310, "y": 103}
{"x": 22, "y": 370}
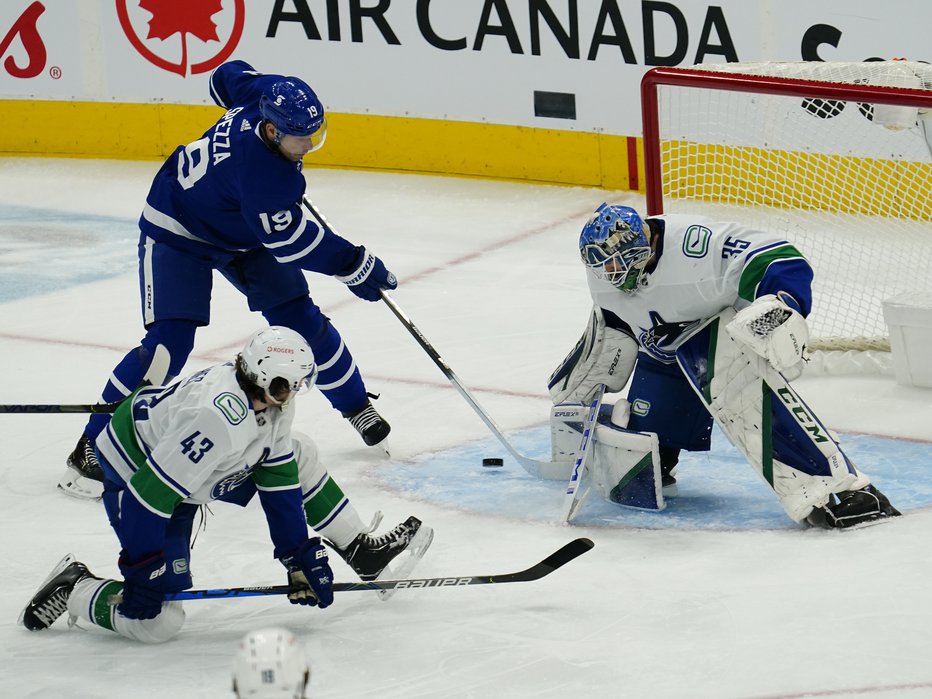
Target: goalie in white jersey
{"x": 707, "y": 319}
{"x": 224, "y": 433}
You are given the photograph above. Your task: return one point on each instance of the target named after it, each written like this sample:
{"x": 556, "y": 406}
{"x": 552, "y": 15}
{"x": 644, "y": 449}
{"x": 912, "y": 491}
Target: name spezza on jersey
{"x": 703, "y": 267}
{"x": 229, "y": 191}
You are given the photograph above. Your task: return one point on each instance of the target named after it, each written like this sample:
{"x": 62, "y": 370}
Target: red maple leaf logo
{"x": 182, "y": 17}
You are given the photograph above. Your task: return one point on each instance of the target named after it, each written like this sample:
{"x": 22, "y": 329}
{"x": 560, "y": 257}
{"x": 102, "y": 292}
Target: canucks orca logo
{"x": 660, "y": 340}
{"x": 230, "y": 483}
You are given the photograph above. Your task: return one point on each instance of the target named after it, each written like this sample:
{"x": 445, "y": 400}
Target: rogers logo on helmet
{"x": 280, "y": 350}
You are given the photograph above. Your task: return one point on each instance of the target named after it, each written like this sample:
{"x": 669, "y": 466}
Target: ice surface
{"x": 718, "y": 596}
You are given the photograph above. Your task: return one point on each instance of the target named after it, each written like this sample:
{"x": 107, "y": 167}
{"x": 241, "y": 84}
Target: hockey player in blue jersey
{"x": 232, "y": 200}
{"x": 707, "y": 319}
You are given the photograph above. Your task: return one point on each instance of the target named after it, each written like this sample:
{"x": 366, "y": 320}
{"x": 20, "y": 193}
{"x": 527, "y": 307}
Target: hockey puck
{"x": 492, "y": 463}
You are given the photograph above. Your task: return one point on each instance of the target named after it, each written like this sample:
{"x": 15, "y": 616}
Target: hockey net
{"x": 836, "y": 157}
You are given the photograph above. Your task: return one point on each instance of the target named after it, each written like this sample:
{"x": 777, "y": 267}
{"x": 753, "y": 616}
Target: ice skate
{"x": 51, "y": 600}
{"x": 372, "y": 427}
{"x": 392, "y": 555}
{"x": 83, "y": 477}
{"x": 852, "y": 508}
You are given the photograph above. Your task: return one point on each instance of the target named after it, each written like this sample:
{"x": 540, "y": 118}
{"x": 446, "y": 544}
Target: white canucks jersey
{"x": 703, "y": 266}
{"x": 197, "y": 440}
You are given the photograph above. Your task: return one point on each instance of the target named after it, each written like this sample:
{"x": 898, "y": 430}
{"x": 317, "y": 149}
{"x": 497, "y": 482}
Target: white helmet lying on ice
{"x": 270, "y": 663}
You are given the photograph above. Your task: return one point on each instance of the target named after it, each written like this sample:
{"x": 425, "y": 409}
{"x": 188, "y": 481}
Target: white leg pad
{"x": 625, "y": 467}
{"x": 619, "y": 457}
{"x": 737, "y": 387}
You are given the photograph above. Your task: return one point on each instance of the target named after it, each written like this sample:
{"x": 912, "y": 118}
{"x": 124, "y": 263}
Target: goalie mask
{"x": 270, "y": 663}
{"x": 277, "y": 360}
{"x": 613, "y": 243}
{"x": 293, "y": 108}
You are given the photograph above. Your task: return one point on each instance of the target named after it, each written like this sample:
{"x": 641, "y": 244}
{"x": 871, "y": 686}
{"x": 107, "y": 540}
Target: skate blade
{"x": 399, "y": 569}
{"x": 77, "y": 485}
{"x": 62, "y": 564}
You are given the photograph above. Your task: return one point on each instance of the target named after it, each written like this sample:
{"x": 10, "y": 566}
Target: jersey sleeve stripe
{"x": 758, "y": 263}
{"x": 299, "y": 231}
{"x": 302, "y": 253}
{"x": 280, "y": 477}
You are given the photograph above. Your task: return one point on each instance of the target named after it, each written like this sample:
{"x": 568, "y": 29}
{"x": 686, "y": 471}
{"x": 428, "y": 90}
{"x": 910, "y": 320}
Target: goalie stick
{"x": 557, "y": 559}
{"x": 155, "y": 375}
{"x": 573, "y": 500}
{"x": 539, "y": 469}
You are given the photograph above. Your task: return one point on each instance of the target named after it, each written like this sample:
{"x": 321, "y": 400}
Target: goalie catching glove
{"x": 603, "y": 355}
{"x": 774, "y": 331}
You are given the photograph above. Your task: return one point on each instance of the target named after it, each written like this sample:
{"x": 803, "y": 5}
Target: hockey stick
{"x": 572, "y": 501}
{"x": 155, "y": 375}
{"x": 539, "y": 469}
{"x": 555, "y": 560}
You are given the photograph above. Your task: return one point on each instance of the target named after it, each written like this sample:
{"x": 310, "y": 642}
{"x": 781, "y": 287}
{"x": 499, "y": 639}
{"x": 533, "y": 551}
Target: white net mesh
{"x": 846, "y": 181}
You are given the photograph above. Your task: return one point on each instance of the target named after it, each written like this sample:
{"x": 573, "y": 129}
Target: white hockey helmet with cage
{"x": 270, "y": 663}
{"x": 280, "y": 356}
{"x": 614, "y": 244}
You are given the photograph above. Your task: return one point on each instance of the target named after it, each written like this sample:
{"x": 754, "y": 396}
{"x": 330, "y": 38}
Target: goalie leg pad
{"x": 765, "y": 419}
{"x": 625, "y": 467}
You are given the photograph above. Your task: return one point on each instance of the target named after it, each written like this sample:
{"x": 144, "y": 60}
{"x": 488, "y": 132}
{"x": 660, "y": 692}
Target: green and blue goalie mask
{"x": 613, "y": 243}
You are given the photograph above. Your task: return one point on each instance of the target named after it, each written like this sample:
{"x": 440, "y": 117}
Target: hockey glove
{"x": 142, "y": 586}
{"x": 309, "y": 568}
{"x": 367, "y": 276}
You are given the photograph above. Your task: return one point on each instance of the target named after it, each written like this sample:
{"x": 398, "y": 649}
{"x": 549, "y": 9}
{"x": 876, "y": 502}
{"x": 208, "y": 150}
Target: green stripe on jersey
{"x": 155, "y": 492}
{"x": 318, "y": 508}
{"x": 755, "y": 270}
{"x": 274, "y": 477}
{"x": 125, "y": 431}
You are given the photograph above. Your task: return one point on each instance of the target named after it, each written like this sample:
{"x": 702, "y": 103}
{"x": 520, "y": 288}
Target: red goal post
{"x": 835, "y": 156}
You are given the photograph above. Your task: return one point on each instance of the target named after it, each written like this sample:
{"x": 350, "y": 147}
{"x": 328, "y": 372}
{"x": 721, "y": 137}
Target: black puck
{"x": 493, "y": 462}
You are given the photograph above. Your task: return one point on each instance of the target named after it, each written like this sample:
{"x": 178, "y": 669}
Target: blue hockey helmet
{"x": 294, "y": 109}
{"x": 614, "y": 244}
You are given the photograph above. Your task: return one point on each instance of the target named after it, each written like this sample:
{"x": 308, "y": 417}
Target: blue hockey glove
{"x": 309, "y": 568}
{"x": 367, "y": 276}
{"x": 142, "y": 586}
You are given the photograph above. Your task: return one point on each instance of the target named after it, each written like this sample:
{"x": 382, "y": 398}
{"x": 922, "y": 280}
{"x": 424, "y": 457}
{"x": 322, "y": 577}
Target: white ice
{"x": 488, "y": 272}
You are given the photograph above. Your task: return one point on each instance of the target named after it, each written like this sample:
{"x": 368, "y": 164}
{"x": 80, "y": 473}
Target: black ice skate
{"x": 372, "y": 427}
{"x": 851, "y": 508}
{"x": 84, "y": 477}
{"x": 374, "y": 557}
{"x": 51, "y": 601}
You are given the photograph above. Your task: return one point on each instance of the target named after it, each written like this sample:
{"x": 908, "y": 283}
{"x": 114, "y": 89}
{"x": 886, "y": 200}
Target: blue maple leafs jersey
{"x": 228, "y": 191}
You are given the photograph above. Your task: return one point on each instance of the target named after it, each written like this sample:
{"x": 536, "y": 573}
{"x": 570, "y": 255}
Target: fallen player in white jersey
{"x": 707, "y": 319}
{"x": 221, "y": 434}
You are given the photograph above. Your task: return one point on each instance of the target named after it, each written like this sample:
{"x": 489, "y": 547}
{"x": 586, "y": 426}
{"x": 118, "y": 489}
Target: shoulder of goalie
{"x": 770, "y": 328}
{"x": 603, "y": 355}
{"x": 624, "y": 466}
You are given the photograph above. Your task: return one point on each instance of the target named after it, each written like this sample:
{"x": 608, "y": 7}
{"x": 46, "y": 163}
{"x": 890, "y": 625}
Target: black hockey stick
{"x": 50, "y": 408}
{"x": 155, "y": 375}
{"x": 555, "y": 560}
{"x": 539, "y": 469}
